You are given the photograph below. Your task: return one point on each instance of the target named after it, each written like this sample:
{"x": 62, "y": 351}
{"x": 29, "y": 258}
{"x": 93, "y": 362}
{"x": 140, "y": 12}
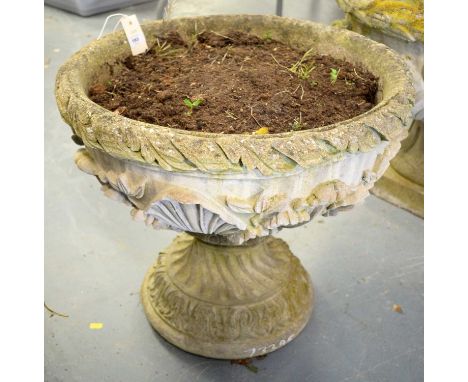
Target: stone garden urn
{"x": 226, "y": 288}
{"x": 400, "y": 25}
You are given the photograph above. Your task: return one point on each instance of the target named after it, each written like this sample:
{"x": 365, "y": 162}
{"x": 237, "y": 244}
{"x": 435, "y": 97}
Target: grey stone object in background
{"x": 92, "y": 7}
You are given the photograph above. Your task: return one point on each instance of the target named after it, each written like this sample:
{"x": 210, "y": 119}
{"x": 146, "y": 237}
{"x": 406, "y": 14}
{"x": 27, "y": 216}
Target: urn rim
{"x": 180, "y": 150}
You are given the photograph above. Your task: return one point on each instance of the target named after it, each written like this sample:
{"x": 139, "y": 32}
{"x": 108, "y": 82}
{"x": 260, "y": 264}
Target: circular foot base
{"x": 227, "y": 302}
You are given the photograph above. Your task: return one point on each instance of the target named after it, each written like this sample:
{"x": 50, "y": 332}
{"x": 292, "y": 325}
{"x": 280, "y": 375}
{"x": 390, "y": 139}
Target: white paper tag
{"x": 135, "y": 35}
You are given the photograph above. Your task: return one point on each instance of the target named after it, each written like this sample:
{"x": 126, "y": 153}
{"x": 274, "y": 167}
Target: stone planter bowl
{"x": 225, "y": 288}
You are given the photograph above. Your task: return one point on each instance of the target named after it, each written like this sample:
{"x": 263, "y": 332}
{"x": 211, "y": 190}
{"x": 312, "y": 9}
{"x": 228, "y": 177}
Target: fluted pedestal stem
{"x": 227, "y": 302}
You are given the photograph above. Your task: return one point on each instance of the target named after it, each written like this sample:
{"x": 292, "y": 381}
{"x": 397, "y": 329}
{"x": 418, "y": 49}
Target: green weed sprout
{"x": 334, "y": 75}
{"x": 162, "y": 49}
{"x": 297, "y": 123}
{"x": 268, "y": 36}
{"x": 301, "y": 69}
{"x": 304, "y": 71}
{"x": 192, "y": 104}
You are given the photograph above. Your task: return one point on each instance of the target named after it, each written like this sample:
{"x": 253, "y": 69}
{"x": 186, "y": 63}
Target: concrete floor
{"x": 361, "y": 262}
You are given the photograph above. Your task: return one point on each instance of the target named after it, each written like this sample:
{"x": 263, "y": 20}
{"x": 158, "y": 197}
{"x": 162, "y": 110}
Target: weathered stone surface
{"x": 237, "y": 206}
{"x": 399, "y": 25}
{"x": 232, "y": 292}
{"x": 177, "y": 150}
{"x": 211, "y": 301}
{"x": 403, "y": 19}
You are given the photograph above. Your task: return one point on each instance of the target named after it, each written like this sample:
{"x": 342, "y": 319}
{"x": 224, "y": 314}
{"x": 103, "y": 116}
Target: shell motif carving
{"x": 188, "y": 217}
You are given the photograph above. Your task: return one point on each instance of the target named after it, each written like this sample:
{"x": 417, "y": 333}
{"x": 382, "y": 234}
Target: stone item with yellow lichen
{"x": 400, "y": 25}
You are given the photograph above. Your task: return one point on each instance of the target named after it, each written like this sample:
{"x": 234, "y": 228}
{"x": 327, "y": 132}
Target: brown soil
{"x": 245, "y": 83}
